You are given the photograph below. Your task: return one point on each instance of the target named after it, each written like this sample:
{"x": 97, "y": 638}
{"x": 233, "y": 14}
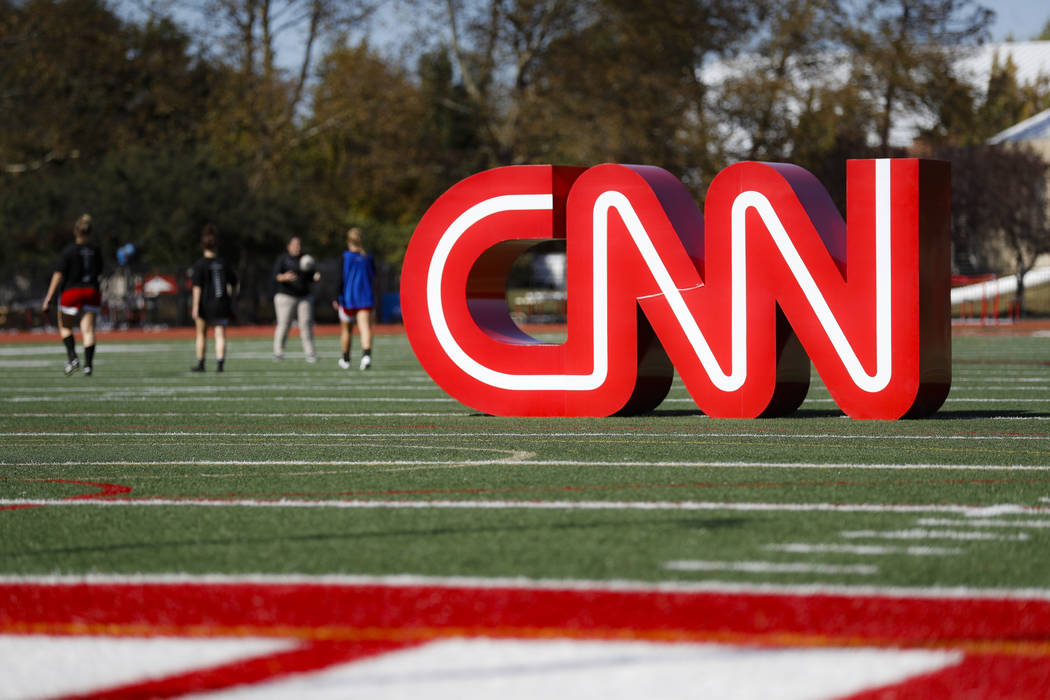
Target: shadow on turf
{"x": 805, "y": 413}
{"x": 684, "y": 413}
{"x": 689, "y": 523}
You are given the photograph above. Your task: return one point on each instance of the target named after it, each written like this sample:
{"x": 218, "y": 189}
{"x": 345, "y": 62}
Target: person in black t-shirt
{"x": 77, "y": 274}
{"x": 213, "y": 283}
{"x": 293, "y": 294}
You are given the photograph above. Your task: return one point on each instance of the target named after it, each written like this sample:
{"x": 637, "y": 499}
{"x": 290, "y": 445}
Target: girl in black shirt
{"x": 77, "y": 274}
{"x": 213, "y": 283}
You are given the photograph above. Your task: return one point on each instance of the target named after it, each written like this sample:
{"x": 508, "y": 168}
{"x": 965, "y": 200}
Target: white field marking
{"x": 862, "y": 549}
{"x": 212, "y": 398}
{"x": 1003, "y": 387}
{"x": 632, "y": 436}
{"x": 398, "y": 385}
{"x": 525, "y": 669}
{"x": 406, "y": 580}
{"x": 949, "y": 400}
{"x": 527, "y": 463}
{"x": 235, "y": 414}
{"x": 55, "y": 348}
{"x": 561, "y": 505}
{"x": 332, "y": 472}
{"x": 252, "y": 399}
{"x": 924, "y": 534}
{"x": 770, "y": 567}
{"x": 1001, "y": 380}
{"x": 34, "y": 665}
{"x": 1005, "y": 399}
{"x": 514, "y": 457}
{"x": 1032, "y": 418}
{"x": 973, "y": 522}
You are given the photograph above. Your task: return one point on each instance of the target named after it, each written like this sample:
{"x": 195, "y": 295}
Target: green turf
{"x": 303, "y": 433}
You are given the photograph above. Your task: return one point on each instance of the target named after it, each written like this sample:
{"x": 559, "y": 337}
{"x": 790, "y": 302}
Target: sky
{"x": 1024, "y": 19}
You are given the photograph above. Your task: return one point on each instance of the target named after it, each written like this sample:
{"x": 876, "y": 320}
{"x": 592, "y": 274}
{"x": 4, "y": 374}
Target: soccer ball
{"x": 307, "y": 263}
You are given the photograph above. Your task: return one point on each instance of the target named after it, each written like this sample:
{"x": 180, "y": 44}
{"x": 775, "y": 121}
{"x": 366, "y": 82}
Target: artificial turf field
{"x": 346, "y": 522}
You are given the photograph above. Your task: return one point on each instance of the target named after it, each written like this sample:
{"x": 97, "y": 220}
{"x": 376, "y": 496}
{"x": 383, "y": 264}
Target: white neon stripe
{"x": 883, "y": 318}
{"x": 724, "y": 382}
{"x": 502, "y": 380}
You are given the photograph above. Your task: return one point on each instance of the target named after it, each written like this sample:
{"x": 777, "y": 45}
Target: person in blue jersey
{"x": 77, "y": 274}
{"x": 213, "y": 285}
{"x": 356, "y": 298}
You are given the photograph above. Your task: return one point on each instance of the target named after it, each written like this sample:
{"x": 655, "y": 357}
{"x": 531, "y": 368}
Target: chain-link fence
{"x": 141, "y": 296}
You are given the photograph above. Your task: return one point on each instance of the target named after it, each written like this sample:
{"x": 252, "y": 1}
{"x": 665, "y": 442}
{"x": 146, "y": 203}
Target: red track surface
{"x": 1005, "y": 642}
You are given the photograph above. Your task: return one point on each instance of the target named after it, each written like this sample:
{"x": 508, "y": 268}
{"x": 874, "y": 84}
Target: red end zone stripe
{"x": 405, "y": 613}
{"x": 1004, "y": 641}
{"x": 310, "y": 657}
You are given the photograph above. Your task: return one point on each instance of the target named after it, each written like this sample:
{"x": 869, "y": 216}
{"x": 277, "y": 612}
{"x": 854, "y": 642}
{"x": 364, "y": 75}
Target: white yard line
{"x": 924, "y": 534}
{"x": 771, "y": 567}
{"x": 632, "y": 435}
{"x": 352, "y": 504}
{"x": 250, "y": 399}
{"x": 973, "y": 522}
{"x": 523, "y": 462}
{"x": 522, "y": 582}
{"x": 236, "y": 414}
{"x": 872, "y": 550}
{"x": 155, "y": 391}
{"x": 356, "y": 414}
{"x": 1002, "y": 380}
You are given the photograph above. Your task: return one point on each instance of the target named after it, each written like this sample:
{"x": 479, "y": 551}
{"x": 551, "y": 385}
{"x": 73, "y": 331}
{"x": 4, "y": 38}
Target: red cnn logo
{"x": 734, "y": 299}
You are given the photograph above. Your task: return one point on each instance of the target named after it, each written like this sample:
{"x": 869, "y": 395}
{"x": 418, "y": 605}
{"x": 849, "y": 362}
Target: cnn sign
{"x": 738, "y": 299}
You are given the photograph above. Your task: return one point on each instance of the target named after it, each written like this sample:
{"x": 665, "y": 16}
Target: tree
{"x": 968, "y": 115}
{"x": 254, "y": 121}
{"x": 628, "y": 86}
{"x": 999, "y": 203}
{"x": 1025, "y": 217}
{"x": 61, "y": 72}
{"x": 904, "y": 49}
{"x": 497, "y": 47}
{"x": 78, "y": 88}
{"x": 783, "y": 75}
{"x": 364, "y": 150}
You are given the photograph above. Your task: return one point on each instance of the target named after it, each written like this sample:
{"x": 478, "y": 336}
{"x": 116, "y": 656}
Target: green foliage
{"x": 156, "y": 129}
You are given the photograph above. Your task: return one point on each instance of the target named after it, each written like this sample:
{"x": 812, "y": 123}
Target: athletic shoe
{"x": 366, "y": 362}
{"x": 87, "y": 371}
{"x": 72, "y": 366}
{"x": 278, "y": 358}
{"x": 344, "y": 364}
{"x": 197, "y": 368}
{"x": 312, "y": 359}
